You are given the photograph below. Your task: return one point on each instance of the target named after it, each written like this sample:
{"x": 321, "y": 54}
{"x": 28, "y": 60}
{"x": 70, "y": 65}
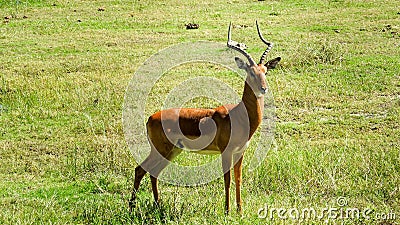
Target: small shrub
{"x": 314, "y": 53}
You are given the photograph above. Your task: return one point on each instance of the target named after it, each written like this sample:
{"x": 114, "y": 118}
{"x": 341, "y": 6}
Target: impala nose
{"x": 263, "y": 90}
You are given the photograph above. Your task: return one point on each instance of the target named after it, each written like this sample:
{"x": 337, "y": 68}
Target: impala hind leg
{"x": 139, "y": 174}
{"x": 163, "y": 156}
{"x": 237, "y": 169}
{"x": 140, "y": 171}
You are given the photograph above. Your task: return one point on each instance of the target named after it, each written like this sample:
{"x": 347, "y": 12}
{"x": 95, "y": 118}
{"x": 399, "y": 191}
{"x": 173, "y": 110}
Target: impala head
{"x": 255, "y": 72}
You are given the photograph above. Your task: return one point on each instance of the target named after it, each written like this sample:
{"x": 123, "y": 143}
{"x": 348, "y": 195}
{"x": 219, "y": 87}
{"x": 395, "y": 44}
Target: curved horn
{"x": 269, "y": 45}
{"x": 236, "y": 46}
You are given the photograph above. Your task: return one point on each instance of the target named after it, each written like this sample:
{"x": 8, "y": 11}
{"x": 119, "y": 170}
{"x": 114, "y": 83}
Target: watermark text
{"x": 339, "y": 212}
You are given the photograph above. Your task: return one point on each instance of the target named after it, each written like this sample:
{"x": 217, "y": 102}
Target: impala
{"x": 225, "y": 130}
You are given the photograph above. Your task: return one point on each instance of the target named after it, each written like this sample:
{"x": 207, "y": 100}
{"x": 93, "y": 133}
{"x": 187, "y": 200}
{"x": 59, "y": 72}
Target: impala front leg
{"x": 238, "y": 181}
{"x": 227, "y": 180}
{"x": 226, "y": 166}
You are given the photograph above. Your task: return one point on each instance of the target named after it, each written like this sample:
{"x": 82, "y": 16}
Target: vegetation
{"x": 65, "y": 65}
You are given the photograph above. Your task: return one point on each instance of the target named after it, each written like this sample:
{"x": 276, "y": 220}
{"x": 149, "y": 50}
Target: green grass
{"x": 62, "y": 83}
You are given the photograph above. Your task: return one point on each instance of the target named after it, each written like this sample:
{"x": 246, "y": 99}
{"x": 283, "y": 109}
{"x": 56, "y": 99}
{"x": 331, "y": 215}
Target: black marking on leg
{"x": 179, "y": 144}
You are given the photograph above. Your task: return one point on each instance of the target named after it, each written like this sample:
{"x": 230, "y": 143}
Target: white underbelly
{"x": 206, "y": 152}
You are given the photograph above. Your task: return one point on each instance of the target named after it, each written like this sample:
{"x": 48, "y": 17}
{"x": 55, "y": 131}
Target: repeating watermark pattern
{"x": 157, "y": 66}
{"x": 341, "y": 211}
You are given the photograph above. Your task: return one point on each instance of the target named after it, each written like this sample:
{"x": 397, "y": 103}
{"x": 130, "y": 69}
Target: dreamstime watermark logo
{"x": 341, "y": 211}
{"x": 157, "y": 67}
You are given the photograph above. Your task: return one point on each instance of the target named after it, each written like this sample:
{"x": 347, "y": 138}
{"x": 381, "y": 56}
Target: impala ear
{"x": 271, "y": 64}
{"x": 241, "y": 64}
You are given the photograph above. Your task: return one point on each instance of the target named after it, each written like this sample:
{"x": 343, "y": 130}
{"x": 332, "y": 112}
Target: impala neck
{"x": 254, "y": 106}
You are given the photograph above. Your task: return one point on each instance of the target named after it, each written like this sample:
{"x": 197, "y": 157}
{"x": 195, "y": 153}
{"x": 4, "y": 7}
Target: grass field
{"x": 65, "y": 65}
